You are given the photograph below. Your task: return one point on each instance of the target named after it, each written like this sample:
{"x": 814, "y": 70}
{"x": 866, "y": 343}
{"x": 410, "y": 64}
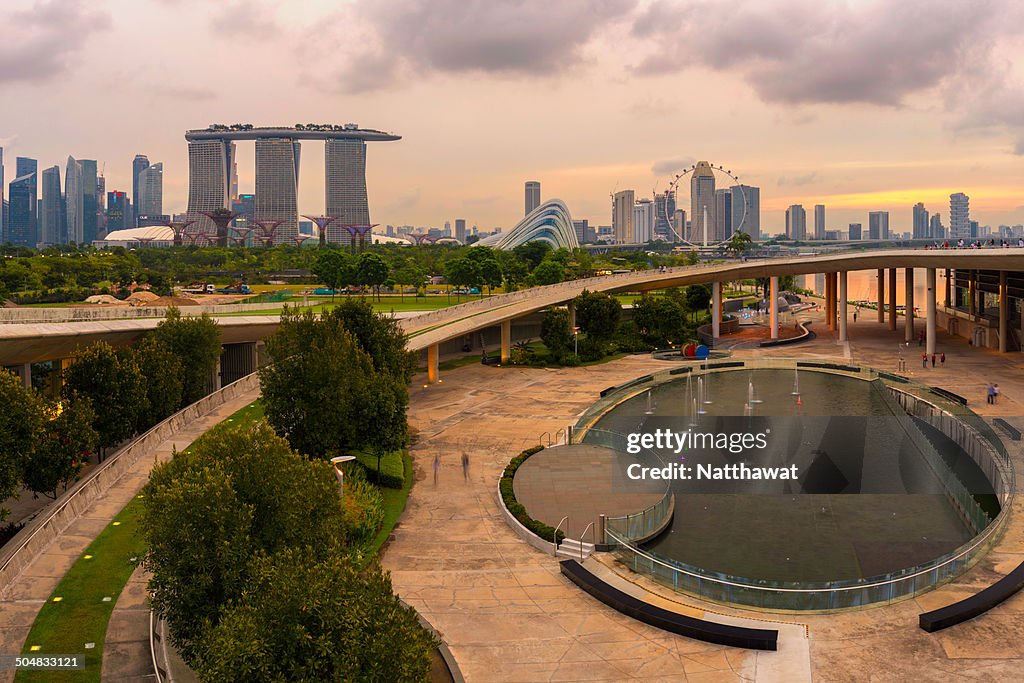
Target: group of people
{"x": 993, "y": 393}
{"x": 465, "y": 466}
{"x": 941, "y": 358}
{"x": 977, "y": 244}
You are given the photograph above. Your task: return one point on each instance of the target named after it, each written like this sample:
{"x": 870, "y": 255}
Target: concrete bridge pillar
{"x": 908, "y": 322}
{"x": 773, "y": 306}
{"x": 842, "y": 306}
{"x": 828, "y": 301}
{"x": 506, "y": 340}
{"x": 1004, "y": 313}
{"x": 571, "y": 307}
{"x": 716, "y": 309}
{"x": 892, "y": 299}
{"x": 835, "y": 300}
{"x": 949, "y": 287}
{"x": 930, "y": 311}
{"x": 433, "y": 351}
{"x": 881, "y": 295}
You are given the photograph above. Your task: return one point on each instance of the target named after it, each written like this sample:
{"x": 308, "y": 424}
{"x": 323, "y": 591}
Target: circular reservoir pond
{"x": 879, "y": 494}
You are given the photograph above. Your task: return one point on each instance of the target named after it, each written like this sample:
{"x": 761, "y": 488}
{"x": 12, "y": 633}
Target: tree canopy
{"x": 196, "y": 343}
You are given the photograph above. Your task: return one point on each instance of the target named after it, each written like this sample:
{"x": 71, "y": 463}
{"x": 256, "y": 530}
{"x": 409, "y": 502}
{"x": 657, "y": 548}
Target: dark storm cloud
{"x": 810, "y": 51}
{"x": 40, "y": 41}
{"x": 420, "y": 37}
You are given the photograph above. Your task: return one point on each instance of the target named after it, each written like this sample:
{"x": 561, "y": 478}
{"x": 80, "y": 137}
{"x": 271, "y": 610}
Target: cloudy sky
{"x": 859, "y": 105}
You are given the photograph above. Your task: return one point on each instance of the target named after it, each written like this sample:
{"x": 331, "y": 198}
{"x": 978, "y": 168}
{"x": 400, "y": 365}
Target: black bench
{"x": 979, "y": 603}
{"x": 708, "y": 631}
{"x": 1010, "y": 430}
{"x": 945, "y": 393}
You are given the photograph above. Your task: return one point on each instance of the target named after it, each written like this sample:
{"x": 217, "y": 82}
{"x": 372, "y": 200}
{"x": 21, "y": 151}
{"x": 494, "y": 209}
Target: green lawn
{"x": 76, "y": 614}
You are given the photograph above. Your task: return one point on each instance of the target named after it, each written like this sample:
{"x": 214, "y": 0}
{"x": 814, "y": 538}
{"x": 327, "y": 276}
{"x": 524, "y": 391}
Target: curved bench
{"x": 970, "y": 607}
{"x": 681, "y": 624}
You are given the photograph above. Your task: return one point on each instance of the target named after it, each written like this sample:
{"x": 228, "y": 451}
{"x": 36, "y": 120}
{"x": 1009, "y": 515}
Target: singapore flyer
{"x": 706, "y": 228}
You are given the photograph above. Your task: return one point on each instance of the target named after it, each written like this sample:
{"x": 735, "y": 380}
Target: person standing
{"x": 465, "y": 466}
{"x": 942, "y": 359}
{"x": 991, "y": 394}
{"x": 933, "y": 360}
{"x": 924, "y": 360}
{"x": 995, "y": 393}
{"x": 437, "y": 466}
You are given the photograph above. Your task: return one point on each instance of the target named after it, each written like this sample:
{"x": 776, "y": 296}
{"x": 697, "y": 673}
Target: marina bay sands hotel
{"x": 212, "y": 175}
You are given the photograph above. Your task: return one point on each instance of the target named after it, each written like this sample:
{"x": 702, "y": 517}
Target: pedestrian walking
{"x": 437, "y": 466}
{"x": 942, "y": 359}
{"x": 924, "y": 360}
{"x": 920, "y": 338}
{"x": 995, "y": 393}
{"x": 991, "y": 394}
{"x": 855, "y": 316}
{"x": 933, "y": 360}
{"x": 465, "y": 466}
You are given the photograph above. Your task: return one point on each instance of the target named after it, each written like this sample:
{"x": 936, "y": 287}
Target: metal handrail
{"x": 555, "y": 535}
{"x": 540, "y": 439}
{"x": 583, "y": 536}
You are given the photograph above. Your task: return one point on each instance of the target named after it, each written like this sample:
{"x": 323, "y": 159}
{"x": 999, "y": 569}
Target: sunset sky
{"x": 857, "y": 105}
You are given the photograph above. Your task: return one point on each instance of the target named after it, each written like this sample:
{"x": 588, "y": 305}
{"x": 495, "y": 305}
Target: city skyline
{"x": 472, "y": 134}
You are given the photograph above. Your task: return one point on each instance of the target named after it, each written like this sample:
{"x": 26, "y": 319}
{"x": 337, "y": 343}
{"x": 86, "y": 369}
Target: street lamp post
{"x": 576, "y": 341}
{"x": 338, "y": 473}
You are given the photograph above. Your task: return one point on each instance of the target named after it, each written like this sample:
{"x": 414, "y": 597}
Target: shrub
{"x": 362, "y": 510}
{"x": 515, "y": 507}
{"x": 392, "y": 471}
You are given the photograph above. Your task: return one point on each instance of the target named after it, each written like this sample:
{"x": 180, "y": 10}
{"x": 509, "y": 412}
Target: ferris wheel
{"x": 702, "y": 234}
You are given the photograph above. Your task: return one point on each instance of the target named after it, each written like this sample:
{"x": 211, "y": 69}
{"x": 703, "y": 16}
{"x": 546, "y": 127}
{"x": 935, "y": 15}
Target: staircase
{"x": 572, "y": 548}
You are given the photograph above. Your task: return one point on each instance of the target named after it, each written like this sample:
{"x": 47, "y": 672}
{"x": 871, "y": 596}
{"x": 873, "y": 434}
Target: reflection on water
{"x": 845, "y": 435}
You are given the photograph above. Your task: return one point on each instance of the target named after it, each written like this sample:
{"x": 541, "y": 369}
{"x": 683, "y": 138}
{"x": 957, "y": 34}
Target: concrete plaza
{"x": 508, "y": 615}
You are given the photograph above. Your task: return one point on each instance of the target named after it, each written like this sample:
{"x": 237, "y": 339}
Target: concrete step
{"x": 570, "y": 547}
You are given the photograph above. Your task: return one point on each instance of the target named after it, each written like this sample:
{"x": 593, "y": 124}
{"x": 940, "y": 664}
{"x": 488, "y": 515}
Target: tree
{"x": 462, "y": 272}
{"x": 383, "y": 414}
{"x": 516, "y": 271}
{"x": 239, "y": 494}
{"x": 555, "y": 332}
{"x": 549, "y": 272}
{"x": 112, "y": 381}
{"x": 661, "y": 319}
{"x": 196, "y": 343}
{"x": 163, "y": 377}
{"x": 305, "y": 619}
{"x": 487, "y": 264}
{"x": 334, "y": 268}
{"x": 408, "y": 275}
{"x": 532, "y": 253}
{"x": 597, "y": 314}
{"x": 371, "y": 271}
{"x": 698, "y": 298}
{"x": 64, "y": 448}
{"x": 21, "y": 423}
{"x": 379, "y": 335}
{"x": 739, "y": 242}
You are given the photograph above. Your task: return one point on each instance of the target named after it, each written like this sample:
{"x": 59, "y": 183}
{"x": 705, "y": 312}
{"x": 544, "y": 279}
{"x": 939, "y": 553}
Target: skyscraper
{"x": 643, "y": 221}
{"x": 622, "y": 217}
{"x": 149, "y": 192}
{"x": 3, "y": 202}
{"x": 935, "y": 229}
{"x": 878, "y": 225}
{"x": 702, "y": 200}
{"x": 90, "y": 205}
{"x": 796, "y": 222}
{"x": 922, "y": 229}
{"x": 819, "y": 221}
{"x": 52, "y": 229}
{"x": 532, "y": 195}
{"x": 664, "y": 212}
{"x": 139, "y": 164}
{"x": 723, "y": 215}
{"x": 277, "y": 181}
{"x": 854, "y": 233}
{"x": 210, "y": 165}
{"x": 460, "y": 230}
{"x": 346, "y": 187}
{"x": 74, "y": 202}
{"x": 22, "y": 213}
{"x": 959, "y": 216}
{"x": 117, "y": 210}
{"x": 750, "y": 222}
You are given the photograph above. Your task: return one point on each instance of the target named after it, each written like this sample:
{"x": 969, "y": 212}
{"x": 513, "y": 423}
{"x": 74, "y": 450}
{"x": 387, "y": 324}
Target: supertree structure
{"x": 179, "y": 228}
{"x": 265, "y": 231}
{"x": 221, "y": 218}
{"x": 299, "y": 239}
{"x": 241, "y": 235}
{"x": 321, "y": 225}
{"x": 420, "y": 237}
{"x": 358, "y": 232}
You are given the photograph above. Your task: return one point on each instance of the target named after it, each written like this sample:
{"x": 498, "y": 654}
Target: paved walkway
{"x": 508, "y": 615}
{"x": 21, "y": 601}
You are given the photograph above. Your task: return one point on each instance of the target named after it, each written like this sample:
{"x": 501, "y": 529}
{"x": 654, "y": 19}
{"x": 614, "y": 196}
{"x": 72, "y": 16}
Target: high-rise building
{"x": 878, "y": 225}
{"x": 959, "y": 216}
{"x": 749, "y": 221}
{"x": 25, "y": 166}
{"x": 117, "y": 211}
{"x": 664, "y": 212}
{"x": 90, "y": 204}
{"x": 819, "y": 221}
{"x": 935, "y": 229}
{"x": 796, "y": 222}
{"x": 245, "y": 206}
{"x": 854, "y": 233}
{"x": 460, "y": 230}
{"x": 622, "y": 217}
{"x": 346, "y": 187}
{"x": 52, "y": 228}
{"x": 101, "y": 206}
{"x": 643, "y": 221}
{"x": 139, "y": 164}
{"x": 723, "y": 215}
{"x": 23, "y": 210}
{"x": 149, "y": 191}
{"x": 3, "y": 202}
{"x": 702, "y": 203}
{"x": 210, "y": 169}
{"x": 532, "y": 195}
{"x": 975, "y": 230}
{"x": 277, "y": 183}
{"x": 74, "y": 202}
{"x": 679, "y": 223}
{"x": 585, "y": 234}
{"x": 922, "y": 228}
